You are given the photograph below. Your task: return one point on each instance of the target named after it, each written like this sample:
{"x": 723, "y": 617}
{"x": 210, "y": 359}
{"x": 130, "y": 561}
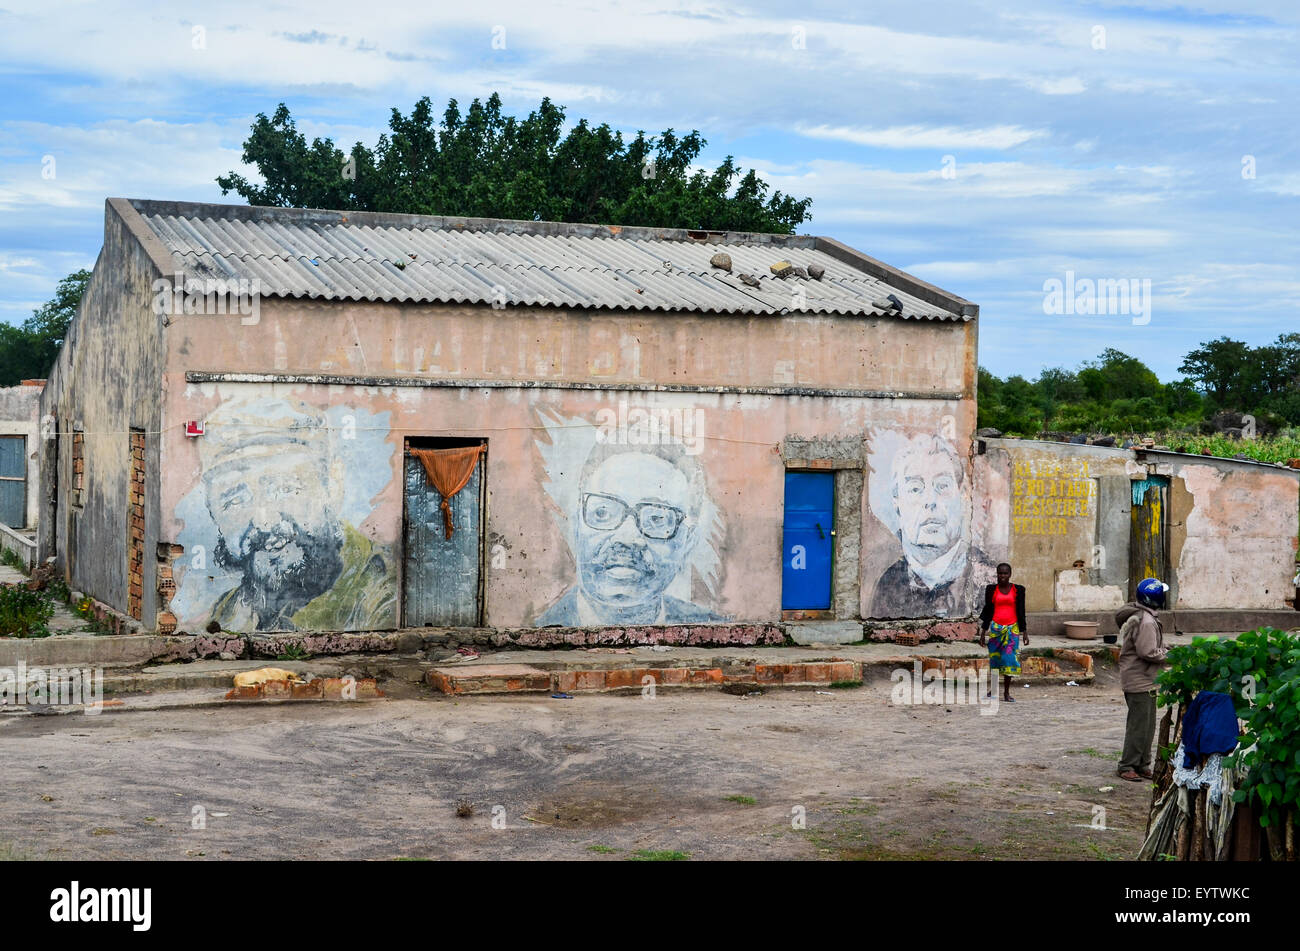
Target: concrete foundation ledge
{"x": 684, "y": 635}
{"x": 124, "y": 650}
{"x": 273, "y": 645}
{"x": 186, "y": 647}
{"x": 624, "y": 677}
{"x": 1052, "y": 623}
{"x": 202, "y": 646}
{"x": 926, "y": 629}
{"x": 136, "y": 650}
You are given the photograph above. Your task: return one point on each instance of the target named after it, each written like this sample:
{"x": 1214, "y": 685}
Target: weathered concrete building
{"x": 293, "y": 420}
{"x": 1082, "y": 525}
{"x": 20, "y": 408}
{"x": 20, "y": 444}
{"x": 278, "y": 419}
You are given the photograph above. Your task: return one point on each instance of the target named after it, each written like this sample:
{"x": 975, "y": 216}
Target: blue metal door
{"x": 13, "y": 481}
{"x": 806, "y": 545}
{"x": 441, "y": 575}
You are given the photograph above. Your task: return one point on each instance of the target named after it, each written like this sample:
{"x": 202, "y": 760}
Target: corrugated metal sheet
{"x": 306, "y": 259}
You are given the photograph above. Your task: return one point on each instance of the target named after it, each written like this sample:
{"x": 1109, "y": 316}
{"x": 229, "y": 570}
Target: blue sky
{"x": 985, "y": 147}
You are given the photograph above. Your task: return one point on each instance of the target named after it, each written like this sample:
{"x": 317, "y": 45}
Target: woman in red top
{"x": 1003, "y": 618}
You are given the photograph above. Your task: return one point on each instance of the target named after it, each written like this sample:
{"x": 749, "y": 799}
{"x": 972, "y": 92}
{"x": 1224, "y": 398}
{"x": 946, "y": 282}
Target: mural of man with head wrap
{"x": 918, "y": 490}
{"x": 638, "y": 517}
{"x": 274, "y": 491}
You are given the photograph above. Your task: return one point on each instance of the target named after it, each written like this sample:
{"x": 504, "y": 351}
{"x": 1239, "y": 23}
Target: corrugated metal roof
{"x": 295, "y": 253}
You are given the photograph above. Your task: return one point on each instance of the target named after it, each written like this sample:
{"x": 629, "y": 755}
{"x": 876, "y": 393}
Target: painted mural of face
{"x": 277, "y": 528}
{"x": 633, "y": 530}
{"x": 918, "y": 490}
{"x": 930, "y": 505}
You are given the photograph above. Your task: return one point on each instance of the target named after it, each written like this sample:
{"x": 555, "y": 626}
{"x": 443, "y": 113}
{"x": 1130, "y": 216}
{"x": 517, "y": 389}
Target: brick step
{"x": 322, "y": 688}
{"x": 522, "y": 678}
{"x": 1060, "y": 666}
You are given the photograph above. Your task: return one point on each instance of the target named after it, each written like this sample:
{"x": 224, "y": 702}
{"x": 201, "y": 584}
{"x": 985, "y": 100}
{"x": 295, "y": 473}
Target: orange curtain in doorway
{"x": 449, "y": 471}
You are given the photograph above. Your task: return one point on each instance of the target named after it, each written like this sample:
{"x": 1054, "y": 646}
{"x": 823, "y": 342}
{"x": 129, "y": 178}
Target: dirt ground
{"x": 699, "y": 774}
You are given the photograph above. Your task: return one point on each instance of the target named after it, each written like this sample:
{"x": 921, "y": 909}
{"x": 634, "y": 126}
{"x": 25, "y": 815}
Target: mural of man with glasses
{"x": 637, "y": 520}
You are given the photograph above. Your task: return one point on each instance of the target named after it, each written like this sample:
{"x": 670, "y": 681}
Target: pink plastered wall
{"x": 539, "y": 439}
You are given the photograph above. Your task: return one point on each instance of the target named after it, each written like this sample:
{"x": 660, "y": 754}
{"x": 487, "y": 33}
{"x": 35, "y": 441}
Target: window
{"x": 13, "y": 481}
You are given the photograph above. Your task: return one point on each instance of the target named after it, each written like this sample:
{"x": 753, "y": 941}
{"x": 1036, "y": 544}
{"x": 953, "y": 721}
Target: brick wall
{"x": 135, "y": 529}
{"x": 78, "y": 467}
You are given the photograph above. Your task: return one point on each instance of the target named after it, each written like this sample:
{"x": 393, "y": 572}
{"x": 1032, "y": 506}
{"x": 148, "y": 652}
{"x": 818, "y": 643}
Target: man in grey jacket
{"x": 1141, "y": 657}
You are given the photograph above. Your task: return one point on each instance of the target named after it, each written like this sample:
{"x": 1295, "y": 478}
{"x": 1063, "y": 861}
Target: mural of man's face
{"x": 276, "y": 526}
{"x": 633, "y": 529}
{"x": 929, "y": 499}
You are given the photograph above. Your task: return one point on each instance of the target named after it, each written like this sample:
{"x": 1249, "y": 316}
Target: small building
{"x": 20, "y": 408}
{"x": 282, "y": 419}
{"x": 1082, "y": 525}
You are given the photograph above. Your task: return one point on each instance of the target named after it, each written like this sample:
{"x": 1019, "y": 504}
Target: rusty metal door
{"x": 1149, "y": 541}
{"x": 442, "y": 577}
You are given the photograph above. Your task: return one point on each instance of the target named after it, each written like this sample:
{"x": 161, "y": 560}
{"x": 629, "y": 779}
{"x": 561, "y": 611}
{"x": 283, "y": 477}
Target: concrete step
{"x": 631, "y": 674}
{"x": 1060, "y": 666}
{"x": 824, "y": 632}
{"x": 213, "y": 674}
{"x": 604, "y": 673}
{"x": 204, "y": 683}
{"x": 78, "y": 650}
{"x": 205, "y": 674}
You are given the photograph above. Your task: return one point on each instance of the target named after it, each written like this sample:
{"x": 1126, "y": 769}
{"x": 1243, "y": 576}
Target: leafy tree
{"x": 1277, "y": 369}
{"x": 1183, "y": 399}
{"x": 1114, "y": 393}
{"x": 1018, "y": 393}
{"x": 1010, "y": 405}
{"x": 1262, "y": 380}
{"x": 49, "y": 323}
{"x": 1056, "y": 386}
{"x": 988, "y": 386}
{"x": 28, "y": 352}
{"x": 1219, "y": 367}
{"x": 481, "y": 163}
{"x": 1120, "y": 376}
{"x": 17, "y": 350}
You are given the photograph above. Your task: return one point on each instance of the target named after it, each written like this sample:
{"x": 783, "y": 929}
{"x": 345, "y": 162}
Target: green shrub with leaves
{"x": 58, "y": 589}
{"x": 24, "y": 613}
{"x": 1279, "y": 448}
{"x": 1237, "y": 667}
{"x": 1260, "y": 670}
{"x": 1270, "y": 751}
{"x": 10, "y": 558}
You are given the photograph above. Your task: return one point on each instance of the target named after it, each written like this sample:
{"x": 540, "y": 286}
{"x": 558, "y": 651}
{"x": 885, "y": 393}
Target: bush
{"x": 1260, "y": 670}
{"x": 24, "y": 613}
{"x": 1275, "y": 449}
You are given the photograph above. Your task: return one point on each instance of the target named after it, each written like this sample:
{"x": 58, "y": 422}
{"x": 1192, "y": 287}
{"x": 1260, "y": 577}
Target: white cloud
{"x": 14, "y": 262}
{"x": 1118, "y": 167}
{"x": 1067, "y": 86}
{"x": 925, "y": 137}
{"x": 1285, "y": 183}
{"x": 114, "y": 158}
